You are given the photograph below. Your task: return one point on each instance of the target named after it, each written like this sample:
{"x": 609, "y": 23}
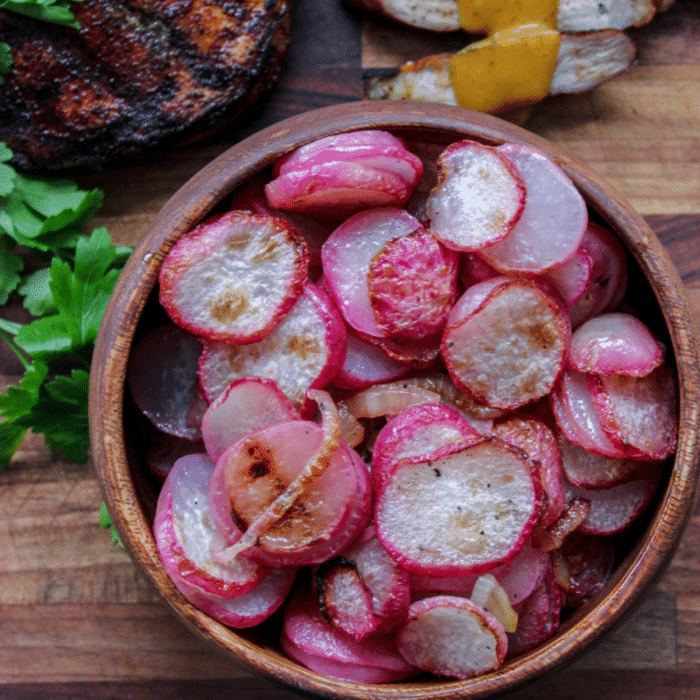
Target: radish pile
{"x": 412, "y": 431}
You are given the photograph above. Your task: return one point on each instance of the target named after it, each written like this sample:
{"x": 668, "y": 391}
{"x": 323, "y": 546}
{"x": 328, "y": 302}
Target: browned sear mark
{"x": 303, "y": 345}
{"x": 229, "y": 305}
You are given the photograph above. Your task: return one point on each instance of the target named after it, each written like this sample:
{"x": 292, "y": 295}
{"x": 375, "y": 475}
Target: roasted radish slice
{"x": 638, "y": 414}
{"x": 552, "y": 224}
{"x": 462, "y": 510}
{"x": 452, "y": 637}
{"x": 589, "y": 561}
{"x": 164, "y": 450}
{"x": 185, "y": 535}
{"x": 573, "y": 278}
{"x": 346, "y": 258}
{"x": 412, "y": 286}
{"x": 310, "y": 639}
{"x": 247, "y": 404}
{"x": 234, "y": 277}
{"x": 304, "y": 351}
{"x": 162, "y": 379}
{"x": 479, "y": 197}
{"x": 615, "y": 343}
{"x": 551, "y": 538}
{"x": 510, "y": 349}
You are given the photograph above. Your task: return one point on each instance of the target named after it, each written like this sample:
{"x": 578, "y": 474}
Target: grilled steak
{"x": 139, "y": 75}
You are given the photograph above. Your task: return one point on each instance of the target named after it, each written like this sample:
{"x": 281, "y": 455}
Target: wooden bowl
{"x": 116, "y": 426}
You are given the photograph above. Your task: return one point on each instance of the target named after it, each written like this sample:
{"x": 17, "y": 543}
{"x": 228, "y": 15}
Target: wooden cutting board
{"x": 78, "y": 621}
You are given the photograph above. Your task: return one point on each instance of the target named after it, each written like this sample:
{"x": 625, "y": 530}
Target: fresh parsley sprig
{"x": 55, "y": 11}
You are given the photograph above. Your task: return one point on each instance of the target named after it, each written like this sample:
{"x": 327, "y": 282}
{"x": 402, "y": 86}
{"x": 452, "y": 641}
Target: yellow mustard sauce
{"x": 513, "y": 66}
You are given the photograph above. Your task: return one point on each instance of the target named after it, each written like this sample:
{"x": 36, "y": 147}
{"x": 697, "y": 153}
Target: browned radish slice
{"x": 511, "y": 349}
{"x": 552, "y": 224}
{"x": 551, "y": 538}
{"x": 162, "y": 380}
{"x": 590, "y": 471}
{"x": 248, "y": 404}
{"x": 474, "y": 269}
{"x": 164, "y": 450}
{"x": 539, "y": 442}
{"x": 538, "y": 617}
{"x": 335, "y": 190}
{"x": 462, "y": 510}
{"x": 346, "y": 257}
{"x": 573, "y": 408}
{"x": 638, "y": 413}
{"x": 479, "y": 197}
{"x": 608, "y": 274}
{"x": 572, "y": 278}
{"x": 615, "y": 508}
{"x": 312, "y": 641}
{"x": 304, "y": 351}
{"x": 418, "y": 430}
{"x": 412, "y": 286}
{"x": 234, "y": 277}
{"x": 615, "y": 343}
{"x": 452, "y": 637}
{"x": 589, "y": 560}
{"x": 247, "y": 610}
{"x": 366, "y": 365}
{"x": 416, "y": 355}
{"x": 185, "y": 533}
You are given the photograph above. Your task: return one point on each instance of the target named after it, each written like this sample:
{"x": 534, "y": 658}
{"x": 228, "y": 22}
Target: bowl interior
{"x": 120, "y": 436}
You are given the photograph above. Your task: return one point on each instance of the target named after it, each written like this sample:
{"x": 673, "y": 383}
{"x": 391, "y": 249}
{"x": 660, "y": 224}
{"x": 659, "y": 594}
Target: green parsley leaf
{"x": 36, "y": 293}
{"x": 11, "y": 266}
{"x": 56, "y": 11}
{"x": 106, "y": 522}
{"x": 5, "y": 62}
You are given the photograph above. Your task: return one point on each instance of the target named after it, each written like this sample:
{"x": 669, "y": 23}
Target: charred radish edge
{"x": 478, "y": 199}
{"x": 452, "y": 637}
{"x": 242, "y": 256}
{"x": 330, "y": 442}
{"x": 589, "y": 560}
{"x": 249, "y": 403}
{"x": 413, "y": 542}
{"x": 552, "y": 537}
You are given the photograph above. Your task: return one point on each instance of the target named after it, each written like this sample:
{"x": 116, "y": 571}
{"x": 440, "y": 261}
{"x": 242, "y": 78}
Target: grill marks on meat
{"x": 138, "y": 75}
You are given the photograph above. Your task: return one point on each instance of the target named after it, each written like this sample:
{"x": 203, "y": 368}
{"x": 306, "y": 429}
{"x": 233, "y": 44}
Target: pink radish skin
{"x": 511, "y": 349}
{"x": 346, "y": 256}
{"x": 608, "y": 275}
{"x": 429, "y": 586}
{"x": 418, "y": 430}
{"x": 527, "y": 571}
{"x": 412, "y": 287}
{"x": 303, "y": 352}
{"x": 248, "y": 404}
{"x": 185, "y": 535}
{"x": 573, "y": 278}
{"x": 234, "y": 278}
{"x": 463, "y": 510}
{"x": 614, "y": 509}
{"x": 418, "y": 355}
{"x": 310, "y": 639}
{"x": 552, "y": 224}
{"x": 479, "y": 197}
{"x": 589, "y": 560}
{"x": 615, "y": 343}
{"x": 366, "y": 365}
{"x": 474, "y": 269}
{"x": 638, "y": 414}
{"x": 539, "y": 442}
{"x": 452, "y": 637}
{"x": 162, "y": 380}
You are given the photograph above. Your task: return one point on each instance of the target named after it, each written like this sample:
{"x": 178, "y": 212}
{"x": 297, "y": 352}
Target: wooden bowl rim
{"x": 206, "y": 189}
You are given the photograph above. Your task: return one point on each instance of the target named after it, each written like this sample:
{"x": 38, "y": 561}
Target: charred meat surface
{"x": 138, "y": 75}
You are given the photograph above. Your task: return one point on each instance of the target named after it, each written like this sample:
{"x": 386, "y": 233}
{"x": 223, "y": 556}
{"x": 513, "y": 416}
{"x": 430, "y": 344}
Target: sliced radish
{"x": 304, "y": 351}
{"x": 346, "y": 258}
{"x": 590, "y": 471}
{"x": 234, "y": 277}
{"x": 162, "y": 379}
{"x": 551, "y": 538}
{"x": 366, "y": 365}
{"x": 615, "y": 508}
{"x": 164, "y": 450}
{"x": 526, "y": 573}
{"x": 511, "y": 349}
{"x": 639, "y": 414}
{"x": 539, "y": 442}
{"x": 312, "y": 641}
{"x": 572, "y": 278}
{"x": 417, "y": 430}
{"x": 248, "y": 404}
{"x": 615, "y": 343}
{"x": 608, "y": 274}
{"x": 412, "y": 285}
{"x": 452, "y": 637}
{"x": 589, "y": 560}
{"x": 185, "y": 534}
{"x": 423, "y": 586}
{"x": 552, "y": 224}
{"x": 574, "y": 410}
{"x": 474, "y": 269}
{"x": 479, "y": 197}
{"x": 417, "y": 355}
{"x": 463, "y": 510}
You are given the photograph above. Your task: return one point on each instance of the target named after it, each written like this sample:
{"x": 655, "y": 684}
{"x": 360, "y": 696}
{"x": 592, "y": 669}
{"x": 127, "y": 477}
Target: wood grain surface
{"x": 77, "y": 620}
